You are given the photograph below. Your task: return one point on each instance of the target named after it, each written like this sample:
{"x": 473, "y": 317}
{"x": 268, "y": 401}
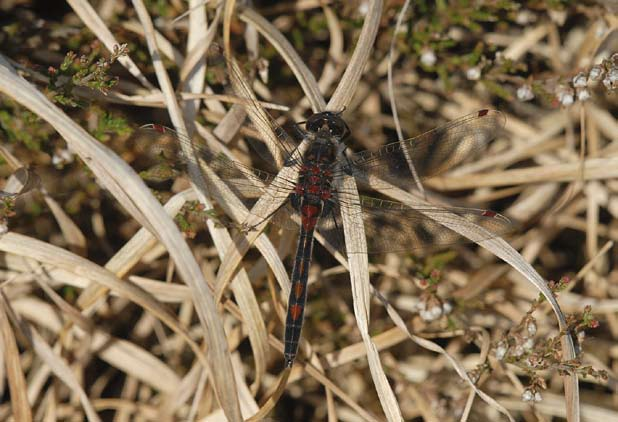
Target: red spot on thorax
{"x": 483, "y": 113}
{"x": 489, "y": 213}
{"x": 159, "y": 128}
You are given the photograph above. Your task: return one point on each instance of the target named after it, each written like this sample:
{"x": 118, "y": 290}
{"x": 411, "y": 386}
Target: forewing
{"x": 248, "y": 183}
{"x": 431, "y": 153}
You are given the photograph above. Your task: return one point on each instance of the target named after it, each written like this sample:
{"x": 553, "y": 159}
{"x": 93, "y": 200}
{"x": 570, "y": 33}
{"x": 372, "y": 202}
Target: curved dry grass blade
{"x": 78, "y": 266}
{"x": 359, "y": 279}
{"x": 198, "y": 46}
{"x": 20, "y": 408}
{"x": 121, "y": 354}
{"x": 195, "y": 74}
{"x": 303, "y": 75}
{"x": 128, "y": 188}
{"x": 504, "y": 251}
{"x": 429, "y": 345}
{"x": 349, "y": 81}
{"x": 335, "y": 52}
{"x": 355, "y": 237}
{"x": 223, "y": 381}
{"x": 273, "y": 399}
{"x": 58, "y": 366}
{"x": 96, "y": 25}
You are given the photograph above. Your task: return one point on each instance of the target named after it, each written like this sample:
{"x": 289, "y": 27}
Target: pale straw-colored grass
{"x": 225, "y": 382}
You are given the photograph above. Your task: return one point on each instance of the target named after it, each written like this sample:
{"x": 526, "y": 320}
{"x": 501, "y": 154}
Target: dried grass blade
{"x": 359, "y": 279}
{"x": 303, "y": 75}
{"x": 349, "y": 81}
{"x": 58, "y": 366}
{"x": 20, "y": 408}
{"x": 128, "y": 188}
{"x": 504, "y": 251}
{"x": 219, "y": 364}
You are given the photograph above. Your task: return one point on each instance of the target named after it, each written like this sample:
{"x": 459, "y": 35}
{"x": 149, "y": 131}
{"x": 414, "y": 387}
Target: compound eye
{"x": 337, "y": 128}
{"x": 315, "y": 123}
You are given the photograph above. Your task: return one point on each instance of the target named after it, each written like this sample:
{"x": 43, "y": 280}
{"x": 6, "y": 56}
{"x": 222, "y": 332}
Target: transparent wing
{"x": 394, "y": 227}
{"x": 248, "y": 183}
{"x": 431, "y": 153}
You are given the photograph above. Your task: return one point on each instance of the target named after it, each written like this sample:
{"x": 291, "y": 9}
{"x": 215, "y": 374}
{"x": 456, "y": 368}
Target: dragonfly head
{"x": 329, "y": 123}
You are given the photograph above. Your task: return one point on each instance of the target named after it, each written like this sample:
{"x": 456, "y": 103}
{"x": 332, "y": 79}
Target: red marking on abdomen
{"x": 489, "y": 213}
{"x": 298, "y": 289}
{"x": 483, "y": 113}
{"x": 309, "y": 211}
{"x": 309, "y": 216}
{"x": 158, "y": 128}
{"x": 313, "y": 189}
{"x": 296, "y": 311}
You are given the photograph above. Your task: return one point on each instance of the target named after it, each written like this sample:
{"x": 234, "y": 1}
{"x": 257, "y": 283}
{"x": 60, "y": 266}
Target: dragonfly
{"x": 313, "y": 201}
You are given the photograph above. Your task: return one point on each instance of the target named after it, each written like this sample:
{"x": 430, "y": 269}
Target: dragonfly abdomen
{"x": 298, "y": 294}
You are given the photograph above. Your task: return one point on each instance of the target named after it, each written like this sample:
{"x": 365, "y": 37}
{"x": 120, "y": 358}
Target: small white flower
{"x": 263, "y": 66}
{"x": 4, "y": 227}
{"x": 596, "y": 72}
{"x": 524, "y": 93}
{"x": 527, "y": 395}
{"x": 447, "y": 307}
{"x": 428, "y": 57}
{"x": 363, "y": 8}
{"x": 436, "y": 312}
{"x": 525, "y": 17}
{"x": 580, "y": 80}
{"x": 431, "y": 314}
{"x": 611, "y": 79}
{"x": 567, "y": 100}
{"x": 425, "y": 315}
{"x": 531, "y": 327}
{"x": 538, "y": 397}
{"x": 501, "y": 351}
{"x": 474, "y": 73}
{"x": 62, "y": 156}
{"x": 565, "y": 95}
{"x": 583, "y": 94}
{"x": 529, "y": 344}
